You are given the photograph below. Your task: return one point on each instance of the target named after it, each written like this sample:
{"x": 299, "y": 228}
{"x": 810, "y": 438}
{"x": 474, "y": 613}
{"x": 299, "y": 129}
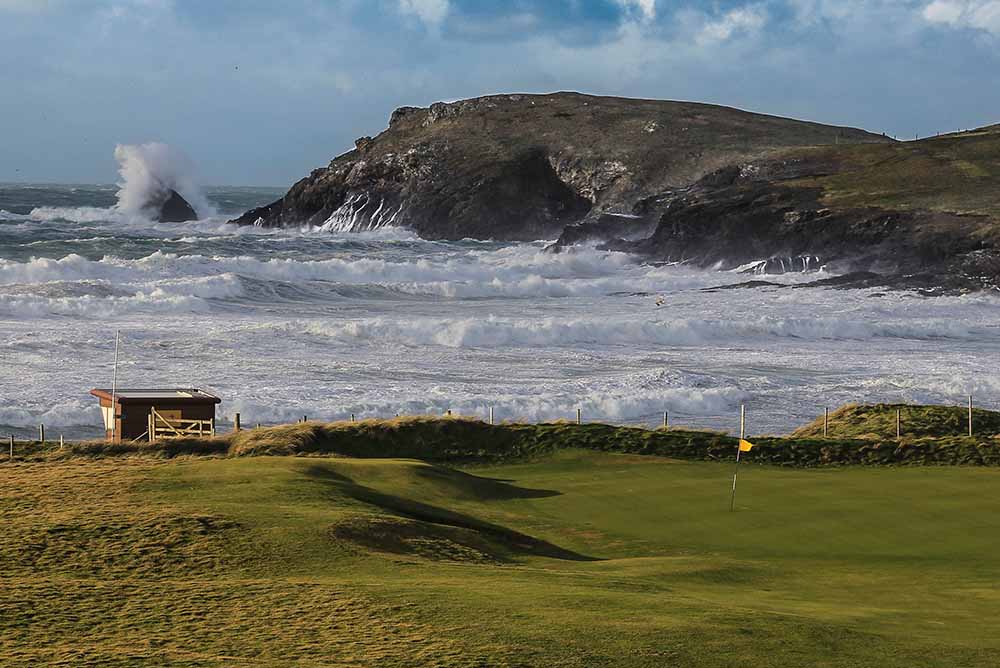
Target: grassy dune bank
{"x": 857, "y": 435}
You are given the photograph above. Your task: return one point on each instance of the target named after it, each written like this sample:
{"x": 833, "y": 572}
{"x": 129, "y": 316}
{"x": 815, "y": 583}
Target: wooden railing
{"x": 161, "y": 427}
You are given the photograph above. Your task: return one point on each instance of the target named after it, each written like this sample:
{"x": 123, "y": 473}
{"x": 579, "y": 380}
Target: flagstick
{"x": 114, "y": 390}
{"x": 736, "y": 471}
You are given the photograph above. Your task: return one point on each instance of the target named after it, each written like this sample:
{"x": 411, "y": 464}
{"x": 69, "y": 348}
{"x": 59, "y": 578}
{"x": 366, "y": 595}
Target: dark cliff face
{"x": 788, "y": 229}
{"x": 525, "y": 166}
{"x": 771, "y": 217}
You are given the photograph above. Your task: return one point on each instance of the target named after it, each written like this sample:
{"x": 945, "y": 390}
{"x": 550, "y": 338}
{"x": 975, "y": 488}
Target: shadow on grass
{"x": 430, "y": 524}
{"x": 480, "y": 487}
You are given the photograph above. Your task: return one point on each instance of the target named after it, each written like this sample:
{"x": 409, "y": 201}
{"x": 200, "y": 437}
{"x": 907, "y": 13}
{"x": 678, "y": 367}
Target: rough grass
{"x": 289, "y": 561}
{"x": 957, "y": 173}
{"x": 878, "y": 422}
{"x": 858, "y": 435}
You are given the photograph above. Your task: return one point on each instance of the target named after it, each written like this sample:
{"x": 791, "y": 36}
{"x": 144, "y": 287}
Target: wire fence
{"x": 730, "y": 423}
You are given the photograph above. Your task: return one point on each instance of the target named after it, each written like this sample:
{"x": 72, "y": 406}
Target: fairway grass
{"x": 578, "y": 558}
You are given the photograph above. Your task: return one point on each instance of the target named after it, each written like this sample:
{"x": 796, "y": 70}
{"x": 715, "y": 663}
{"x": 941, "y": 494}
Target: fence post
{"x": 898, "y": 430}
{"x": 305, "y": 418}
{"x": 61, "y": 442}
{"x": 826, "y": 421}
{"x": 666, "y": 419}
{"x": 236, "y": 422}
{"x": 970, "y": 415}
{"x": 41, "y": 433}
{"x": 12, "y": 447}
{"x": 491, "y": 415}
{"x": 151, "y": 427}
{"x": 579, "y": 416}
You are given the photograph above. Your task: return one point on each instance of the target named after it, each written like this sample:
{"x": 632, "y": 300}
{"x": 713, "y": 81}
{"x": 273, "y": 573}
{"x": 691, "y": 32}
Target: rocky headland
{"x": 672, "y": 182}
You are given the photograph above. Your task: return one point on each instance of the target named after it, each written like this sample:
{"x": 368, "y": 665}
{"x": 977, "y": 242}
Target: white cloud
{"x": 647, "y": 8}
{"x": 747, "y": 19}
{"x": 980, "y": 14}
{"x": 809, "y": 12}
{"x": 431, "y": 12}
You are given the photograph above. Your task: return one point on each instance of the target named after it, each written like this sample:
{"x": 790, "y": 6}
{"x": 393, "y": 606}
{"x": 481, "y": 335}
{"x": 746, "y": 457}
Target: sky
{"x": 257, "y": 92}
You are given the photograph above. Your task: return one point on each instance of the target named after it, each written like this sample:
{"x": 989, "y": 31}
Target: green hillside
{"x": 955, "y": 173}
{"x": 575, "y": 558}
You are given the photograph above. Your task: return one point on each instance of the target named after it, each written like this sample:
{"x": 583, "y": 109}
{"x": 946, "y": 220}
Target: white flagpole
{"x": 114, "y": 389}
{"x": 736, "y": 471}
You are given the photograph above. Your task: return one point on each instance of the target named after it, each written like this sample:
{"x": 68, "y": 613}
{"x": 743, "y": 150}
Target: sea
{"x": 306, "y": 322}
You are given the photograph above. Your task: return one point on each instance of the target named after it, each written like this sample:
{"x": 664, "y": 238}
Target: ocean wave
{"x": 100, "y": 299}
{"x": 506, "y": 272}
{"x": 497, "y": 332}
{"x": 85, "y": 214}
{"x": 513, "y": 272}
{"x": 7, "y": 215}
{"x": 594, "y": 405}
{"x": 623, "y": 398}
{"x": 63, "y": 414}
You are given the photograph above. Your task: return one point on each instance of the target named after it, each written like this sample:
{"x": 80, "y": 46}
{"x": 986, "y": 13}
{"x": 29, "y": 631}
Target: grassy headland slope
{"x": 956, "y": 173}
{"x": 578, "y": 558}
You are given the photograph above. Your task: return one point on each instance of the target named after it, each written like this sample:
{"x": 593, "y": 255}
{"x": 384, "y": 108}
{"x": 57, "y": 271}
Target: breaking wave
{"x": 147, "y": 173}
{"x": 149, "y": 170}
{"x": 628, "y": 331}
{"x": 622, "y": 398}
{"x": 511, "y": 272}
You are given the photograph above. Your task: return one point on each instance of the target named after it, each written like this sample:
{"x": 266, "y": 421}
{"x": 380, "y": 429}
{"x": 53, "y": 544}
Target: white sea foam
{"x": 526, "y": 272}
{"x": 494, "y": 332}
{"x": 690, "y": 401}
{"x": 62, "y": 415}
{"x": 285, "y": 323}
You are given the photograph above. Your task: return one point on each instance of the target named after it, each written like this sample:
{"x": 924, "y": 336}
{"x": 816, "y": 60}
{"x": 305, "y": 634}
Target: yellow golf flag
{"x": 745, "y": 446}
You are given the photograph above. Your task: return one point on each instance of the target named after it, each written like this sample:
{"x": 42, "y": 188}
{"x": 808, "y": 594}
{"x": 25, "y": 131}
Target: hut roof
{"x": 173, "y": 394}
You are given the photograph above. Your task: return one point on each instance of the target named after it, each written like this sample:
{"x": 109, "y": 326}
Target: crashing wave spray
{"x": 360, "y": 213}
{"x": 149, "y": 172}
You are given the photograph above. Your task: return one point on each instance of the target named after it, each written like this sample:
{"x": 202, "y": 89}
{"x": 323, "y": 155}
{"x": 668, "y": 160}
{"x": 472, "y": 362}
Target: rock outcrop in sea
{"x": 174, "y": 209}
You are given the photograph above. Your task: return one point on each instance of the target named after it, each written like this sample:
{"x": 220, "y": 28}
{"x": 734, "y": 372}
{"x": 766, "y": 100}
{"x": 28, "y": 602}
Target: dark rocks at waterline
{"x": 927, "y": 284}
{"x": 771, "y": 227}
{"x": 607, "y": 228}
{"x": 784, "y": 265}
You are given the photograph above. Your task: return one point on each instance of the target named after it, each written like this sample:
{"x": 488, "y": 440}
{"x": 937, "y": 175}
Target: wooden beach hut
{"x": 152, "y": 414}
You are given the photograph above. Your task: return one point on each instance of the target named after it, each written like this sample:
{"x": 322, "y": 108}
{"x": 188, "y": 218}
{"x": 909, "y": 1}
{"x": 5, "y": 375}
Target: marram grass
{"x": 857, "y": 435}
